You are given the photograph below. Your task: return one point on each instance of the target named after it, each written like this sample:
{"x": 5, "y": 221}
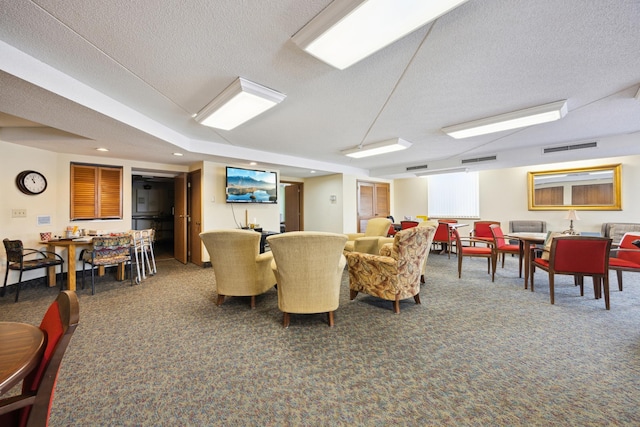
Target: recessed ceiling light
{"x": 312, "y": 171}
{"x": 178, "y": 154}
{"x": 253, "y": 163}
{"x": 102, "y": 149}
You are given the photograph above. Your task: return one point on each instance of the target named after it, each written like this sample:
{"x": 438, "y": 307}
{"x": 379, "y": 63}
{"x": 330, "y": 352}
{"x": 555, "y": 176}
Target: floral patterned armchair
{"x": 395, "y": 273}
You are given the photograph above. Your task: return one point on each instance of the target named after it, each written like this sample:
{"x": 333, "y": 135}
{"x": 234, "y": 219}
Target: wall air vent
{"x": 570, "y": 147}
{"x": 415, "y": 168}
{"x": 479, "y": 159}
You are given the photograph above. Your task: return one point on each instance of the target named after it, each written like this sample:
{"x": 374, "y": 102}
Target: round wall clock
{"x": 31, "y": 182}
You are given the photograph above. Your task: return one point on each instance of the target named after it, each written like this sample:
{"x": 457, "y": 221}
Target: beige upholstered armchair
{"x": 239, "y": 267}
{"x": 368, "y": 241}
{"x": 308, "y": 266}
{"x": 395, "y": 273}
{"x": 389, "y": 241}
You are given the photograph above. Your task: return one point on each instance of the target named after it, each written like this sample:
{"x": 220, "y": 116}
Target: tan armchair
{"x": 308, "y": 266}
{"x": 395, "y": 273}
{"x": 239, "y": 267}
{"x": 368, "y": 241}
{"x": 389, "y": 241}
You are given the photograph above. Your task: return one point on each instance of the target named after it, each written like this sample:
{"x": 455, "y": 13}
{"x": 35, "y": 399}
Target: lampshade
{"x": 374, "y": 149}
{"x": 238, "y": 103}
{"x": 516, "y": 119}
{"x": 348, "y": 31}
{"x": 572, "y": 215}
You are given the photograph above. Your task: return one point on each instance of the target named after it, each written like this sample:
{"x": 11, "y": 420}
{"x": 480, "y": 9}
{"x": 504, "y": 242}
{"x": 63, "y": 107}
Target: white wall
{"x": 503, "y": 196}
{"x": 320, "y": 212}
{"x": 55, "y": 201}
{"x": 217, "y": 214}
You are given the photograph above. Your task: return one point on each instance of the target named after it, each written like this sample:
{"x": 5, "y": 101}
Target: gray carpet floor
{"x": 474, "y": 353}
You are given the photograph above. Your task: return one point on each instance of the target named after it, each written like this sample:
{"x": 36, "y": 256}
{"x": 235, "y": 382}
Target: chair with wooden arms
{"x": 465, "y": 248}
{"x": 577, "y": 256}
{"x": 482, "y": 230}
{"x": 23, "y": 259}
{"x": 503, "y": 247}
{"x": 443, "y": 234}
{"x": 627, "y": 256}
{"x": 33, "y": 406}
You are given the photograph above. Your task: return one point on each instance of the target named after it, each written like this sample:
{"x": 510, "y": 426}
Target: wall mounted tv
{"x": 251, "y": 186}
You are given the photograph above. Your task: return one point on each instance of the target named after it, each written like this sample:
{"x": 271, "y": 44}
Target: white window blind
{"x": 453, "y": 195}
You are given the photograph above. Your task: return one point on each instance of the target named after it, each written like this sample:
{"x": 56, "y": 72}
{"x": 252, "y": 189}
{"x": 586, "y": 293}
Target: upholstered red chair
{"x": 33, "y": 406}
{"x": 465, "y": 248}
{"x": 482, "y": 230}
{"x": 408, "y": 224}
{"x": 627, "y": 257}
{"x": 443, "y": 234}
{"x": 503, "y": 247}
{"x": 577, "y": 256}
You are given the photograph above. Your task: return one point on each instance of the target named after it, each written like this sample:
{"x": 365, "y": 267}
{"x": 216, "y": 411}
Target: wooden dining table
{"x": 70, "y": 245}
{"x": 21, "y": 348}
{"x": 526, "y": 240}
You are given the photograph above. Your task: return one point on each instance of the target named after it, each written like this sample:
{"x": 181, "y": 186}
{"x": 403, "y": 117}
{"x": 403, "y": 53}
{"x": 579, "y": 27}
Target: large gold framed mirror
{"x": 593, "y": 188}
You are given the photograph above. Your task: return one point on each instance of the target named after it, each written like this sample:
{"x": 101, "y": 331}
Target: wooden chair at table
{"x": 443, "y": 234}
{"x": 503, "y": 247}
{"x": 627, "y": 256}
{"x": 471, "y": 251}
{"x": 482, "y": 230}
{"x": 577, "y": 256}
{"x": 23, "y": 259}
{"x": 32, "y": 407}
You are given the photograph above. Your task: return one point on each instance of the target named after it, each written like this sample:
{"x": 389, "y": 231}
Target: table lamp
{"x": 571, "y": 216}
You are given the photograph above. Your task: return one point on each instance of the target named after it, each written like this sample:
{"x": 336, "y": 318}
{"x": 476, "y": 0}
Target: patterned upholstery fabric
{"x": 109, "y": 250}
{"x": 395, "y": 273}
{"x": 376, "y": 227}
{"x": 388, "y": 241}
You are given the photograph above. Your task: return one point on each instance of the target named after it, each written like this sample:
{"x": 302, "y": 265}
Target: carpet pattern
{"x": 474, "y": 353}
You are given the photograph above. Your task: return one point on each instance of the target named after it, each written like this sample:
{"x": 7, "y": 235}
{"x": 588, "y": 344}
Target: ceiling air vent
{"x": 570, "y": 147}
{"x": 479, "y": 159}
{"x": 415, "y": 168}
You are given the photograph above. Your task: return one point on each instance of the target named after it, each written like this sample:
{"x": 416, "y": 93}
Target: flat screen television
{"x": 251, "y": 186}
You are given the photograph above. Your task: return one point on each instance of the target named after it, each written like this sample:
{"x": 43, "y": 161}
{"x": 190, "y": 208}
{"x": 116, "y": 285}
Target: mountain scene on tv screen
{"x": 248, "y": 189}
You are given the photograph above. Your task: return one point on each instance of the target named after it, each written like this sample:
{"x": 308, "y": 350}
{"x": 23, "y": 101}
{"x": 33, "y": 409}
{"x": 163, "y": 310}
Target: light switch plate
{"x": 18, "y": 213}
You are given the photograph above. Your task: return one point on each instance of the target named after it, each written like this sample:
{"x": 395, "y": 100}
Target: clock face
{"x": 31, "y": 182}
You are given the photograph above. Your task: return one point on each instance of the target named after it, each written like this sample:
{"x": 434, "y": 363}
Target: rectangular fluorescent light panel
{"x": 238, "y": 103}
{"x": 442, "y": 171}
{"x": 374, "y": 149}
{"x": 348, "y": 31}
{"x": 514, "y": 120}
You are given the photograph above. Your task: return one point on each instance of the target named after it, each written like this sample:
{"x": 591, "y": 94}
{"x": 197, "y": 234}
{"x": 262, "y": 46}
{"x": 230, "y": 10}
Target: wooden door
{"x": 180, "y": 218}
{"x": 373, "y": 202}
{"x": 194, "y": 223}
{"x": 293, "y": 206}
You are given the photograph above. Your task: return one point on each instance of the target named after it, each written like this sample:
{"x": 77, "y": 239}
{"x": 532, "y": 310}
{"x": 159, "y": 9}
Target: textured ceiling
{"x": 129, "y": 75}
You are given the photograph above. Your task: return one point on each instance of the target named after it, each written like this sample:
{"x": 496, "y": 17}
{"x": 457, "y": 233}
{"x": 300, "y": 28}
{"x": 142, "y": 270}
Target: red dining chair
{"x": 474, "y": 251}
{"x": 503, "y": 247}
{"x": 408, "y": 224}
{"x": 33, "y": 406}
{"x": 577, "y": 256}
{"x": 482, "y": 230}
{"x": 627, "y": 257}
{"x": 443, "y": 234}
